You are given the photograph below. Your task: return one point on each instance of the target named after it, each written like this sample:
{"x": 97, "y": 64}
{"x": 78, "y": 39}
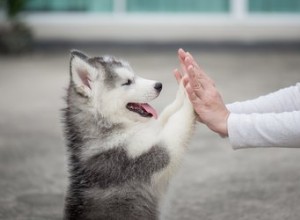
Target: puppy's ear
{"x": 82, "y": 72}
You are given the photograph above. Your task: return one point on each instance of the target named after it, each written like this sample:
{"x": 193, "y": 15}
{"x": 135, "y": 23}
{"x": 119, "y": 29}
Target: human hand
{"x": 204, "y": 96}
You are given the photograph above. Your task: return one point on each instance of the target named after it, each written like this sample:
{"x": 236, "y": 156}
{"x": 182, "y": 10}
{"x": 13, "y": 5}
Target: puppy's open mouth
{"x": 143, "y": 109}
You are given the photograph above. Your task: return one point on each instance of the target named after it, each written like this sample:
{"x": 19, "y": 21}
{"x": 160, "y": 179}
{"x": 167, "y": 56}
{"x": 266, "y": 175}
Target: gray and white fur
{"x": 120, "y": 157}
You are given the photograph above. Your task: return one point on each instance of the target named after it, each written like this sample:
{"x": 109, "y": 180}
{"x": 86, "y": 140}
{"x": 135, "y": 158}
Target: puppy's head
{"x": 109, "y": 87}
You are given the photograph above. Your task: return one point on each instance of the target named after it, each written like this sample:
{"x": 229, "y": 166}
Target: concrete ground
{"x": 214, "y": 182}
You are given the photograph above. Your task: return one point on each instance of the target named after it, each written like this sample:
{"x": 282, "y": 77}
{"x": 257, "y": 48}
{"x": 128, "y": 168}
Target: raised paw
{"x": 188, "y": 105}
{"x": 181, "y": 91}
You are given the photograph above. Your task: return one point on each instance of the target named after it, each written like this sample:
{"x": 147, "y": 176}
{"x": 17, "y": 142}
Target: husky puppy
{"x": 121, "y": 154}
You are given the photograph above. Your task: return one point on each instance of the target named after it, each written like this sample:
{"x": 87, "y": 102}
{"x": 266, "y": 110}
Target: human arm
{"x": 283, "y": 100}
{"x": 264, "y": 130}
{"x": 272, "y": 120}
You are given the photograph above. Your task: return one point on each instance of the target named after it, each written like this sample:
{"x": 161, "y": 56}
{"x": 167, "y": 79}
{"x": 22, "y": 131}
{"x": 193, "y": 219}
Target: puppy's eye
{"x": 129, "y": 82}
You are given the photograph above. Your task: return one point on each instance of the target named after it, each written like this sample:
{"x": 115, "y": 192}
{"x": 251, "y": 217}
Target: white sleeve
{"x": 264, "y": 130}
{"x": 284, "y": 100}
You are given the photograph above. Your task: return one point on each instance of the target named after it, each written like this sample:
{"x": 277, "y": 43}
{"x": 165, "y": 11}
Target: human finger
{"x": 193, "y": 61}
{"x": 177, "y": 75}
{"x": 189, "y": 62}
{"x": 194, "y": 80}
{"x": 185, "y": 80}
{"x": 197, "y": 75}
{"x": 181, "y": 58}
{"x": 193, "y": 92}
{"x": 181, "y": 53}
{"x": 192, "y": 95}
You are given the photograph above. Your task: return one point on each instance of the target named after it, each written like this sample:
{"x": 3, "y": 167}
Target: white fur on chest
{"x": 136, "y": 140}
{"x": 142, "y": 138}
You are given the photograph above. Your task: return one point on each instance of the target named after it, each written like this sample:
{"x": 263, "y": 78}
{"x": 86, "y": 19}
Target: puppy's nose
{"x": 158, "y": 86}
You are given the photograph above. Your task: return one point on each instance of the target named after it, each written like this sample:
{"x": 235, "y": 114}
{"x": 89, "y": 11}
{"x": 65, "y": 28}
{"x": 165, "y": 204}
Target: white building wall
{"x": 238, "y": 25}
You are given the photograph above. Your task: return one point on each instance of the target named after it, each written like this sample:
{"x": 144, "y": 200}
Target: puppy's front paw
{"x": 188, "y": 105}
{"x": 181, "y": 91}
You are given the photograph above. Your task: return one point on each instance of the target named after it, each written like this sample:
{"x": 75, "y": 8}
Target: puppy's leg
{"x": 180, "y": 124}
{"x": 173, "y": 107}
{"x": 175, "y": 135}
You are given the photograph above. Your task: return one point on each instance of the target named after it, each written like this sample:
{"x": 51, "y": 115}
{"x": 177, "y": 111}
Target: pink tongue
{"x": 149, "y": 109}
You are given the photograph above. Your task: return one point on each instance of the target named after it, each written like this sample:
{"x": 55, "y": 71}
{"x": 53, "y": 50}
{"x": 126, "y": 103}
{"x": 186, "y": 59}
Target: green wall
{"x": 163, "y": 6}
{"x": 131, "y": 5}
{"x": 70, "y": 5}
{"x": 290, "y": 6}
{"x": 178, "y": 5}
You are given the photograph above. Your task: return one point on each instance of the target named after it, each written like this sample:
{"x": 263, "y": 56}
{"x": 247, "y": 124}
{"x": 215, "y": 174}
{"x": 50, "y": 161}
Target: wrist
{"x": 221, "y": 127}
{"x": 224, "y": 130}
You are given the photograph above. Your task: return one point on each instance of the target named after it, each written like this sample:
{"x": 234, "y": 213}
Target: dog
{"x": 121, "y": 154}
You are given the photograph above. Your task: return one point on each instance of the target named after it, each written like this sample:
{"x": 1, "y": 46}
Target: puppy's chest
{"x": 141, "y": 140}
{"x": 114, "y": 167}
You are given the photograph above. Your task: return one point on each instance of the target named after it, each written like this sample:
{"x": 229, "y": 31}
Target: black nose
{"x": 158, "y": 86}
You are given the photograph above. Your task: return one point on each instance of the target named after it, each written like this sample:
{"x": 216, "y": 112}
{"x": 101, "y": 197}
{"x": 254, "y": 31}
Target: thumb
{"x": 177, "y": 75}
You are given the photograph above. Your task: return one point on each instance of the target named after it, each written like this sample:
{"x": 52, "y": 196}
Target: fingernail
{"x": 187, "y": 59}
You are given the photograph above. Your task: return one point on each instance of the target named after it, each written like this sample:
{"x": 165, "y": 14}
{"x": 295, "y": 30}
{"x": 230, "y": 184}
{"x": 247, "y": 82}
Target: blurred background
{"x": 249, "y": 47}
{"x": 160, "y": 21}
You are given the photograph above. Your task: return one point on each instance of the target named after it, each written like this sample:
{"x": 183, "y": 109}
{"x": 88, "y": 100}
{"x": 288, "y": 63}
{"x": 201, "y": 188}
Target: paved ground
{"x": 214, "y": 182}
